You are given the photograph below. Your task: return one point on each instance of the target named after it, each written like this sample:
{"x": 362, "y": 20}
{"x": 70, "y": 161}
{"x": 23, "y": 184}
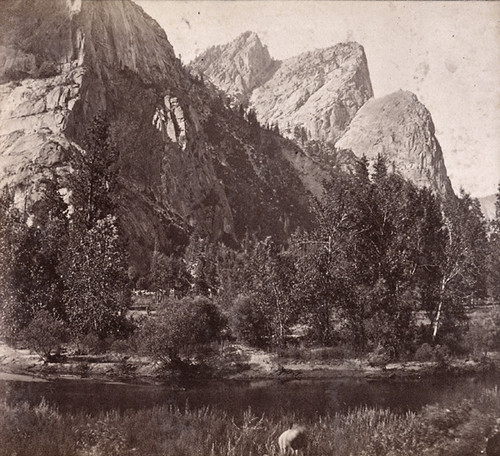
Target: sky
{"x": 447, "y": 53}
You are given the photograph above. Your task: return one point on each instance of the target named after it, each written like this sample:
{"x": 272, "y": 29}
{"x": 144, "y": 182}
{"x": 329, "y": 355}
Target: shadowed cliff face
{"x": 400, "y": 128}
{"x": 185, "y": 158}
{"x": 319, "y": 91}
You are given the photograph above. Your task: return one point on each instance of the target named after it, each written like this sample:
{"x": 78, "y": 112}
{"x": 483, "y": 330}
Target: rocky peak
{"x": 317, "y": 92}
{"x": 237, "y": 68}
{"x": 399, "y": 127}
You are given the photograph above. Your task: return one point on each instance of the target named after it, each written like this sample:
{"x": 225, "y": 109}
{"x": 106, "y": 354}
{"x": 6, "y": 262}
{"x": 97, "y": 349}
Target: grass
{"x": 458, "y": 428}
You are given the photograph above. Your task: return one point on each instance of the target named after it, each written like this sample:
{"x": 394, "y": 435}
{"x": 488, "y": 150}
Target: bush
{"x": 180, "y": 329}
{"x": 91, "y": 344}
{"x": 45, "y": 335}
{"x": 249, "y": 323}
{"x": 120, "y": 346}
{"x": 440, "y": 354}
{"x": 125, "y": 369}
{"x": 380, "y": 357}
{"x": 483, "y": 334}
{"x": 82, "y": 369}
{"x": 424, "y": 353}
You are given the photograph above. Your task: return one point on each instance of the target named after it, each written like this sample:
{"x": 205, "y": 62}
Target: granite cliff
{"x": 326, "y": 95}
{"x": 185, "y": 158}
{"x": 401, "y": 129}
{"x": 318, "y": 91}
{"x": 238, "y": 67}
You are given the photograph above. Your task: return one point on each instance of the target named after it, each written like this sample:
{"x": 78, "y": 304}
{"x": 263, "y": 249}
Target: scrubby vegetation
{"x": 455, "y": 429}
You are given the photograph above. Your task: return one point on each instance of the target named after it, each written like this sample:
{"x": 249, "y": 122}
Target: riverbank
{"x": 456, "y": 427}
{"x": 234, "y": 362}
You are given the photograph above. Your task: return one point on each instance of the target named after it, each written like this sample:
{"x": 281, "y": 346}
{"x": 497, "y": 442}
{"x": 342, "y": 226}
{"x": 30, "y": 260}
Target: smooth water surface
{"x": 305, "y": 398}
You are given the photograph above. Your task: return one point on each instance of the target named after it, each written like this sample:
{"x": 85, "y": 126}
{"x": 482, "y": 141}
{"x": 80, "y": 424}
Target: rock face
{"x": 326, "y": 95}
{"x": 488, "y": 206}
{"x": 185, "y": 159}
{"x": 238, "y": 67}
{"x": 318, "y": 92}
{"x": 400, "y": 128}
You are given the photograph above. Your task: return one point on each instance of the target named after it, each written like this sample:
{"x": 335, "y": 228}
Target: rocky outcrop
{"x": 326, "y": 95}
{"x": 238, "y": 67}
{"x": 317, "y": 93}
{"x": 400, "y": 128}
{"x": 185, "y": 159}
{"x": 488, "y": 206}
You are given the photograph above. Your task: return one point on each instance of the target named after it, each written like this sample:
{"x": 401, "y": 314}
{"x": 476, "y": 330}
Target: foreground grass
{"x": 454, "y": 429}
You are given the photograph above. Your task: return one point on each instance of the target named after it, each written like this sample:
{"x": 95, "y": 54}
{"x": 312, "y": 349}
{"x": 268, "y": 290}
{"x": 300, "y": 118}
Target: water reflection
{"x": 306, "y": 398}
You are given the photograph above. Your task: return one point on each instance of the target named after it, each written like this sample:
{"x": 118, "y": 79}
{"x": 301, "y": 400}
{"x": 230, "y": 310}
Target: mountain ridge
{"x": 318, "y": 91}
{"x": 326, "y": 94}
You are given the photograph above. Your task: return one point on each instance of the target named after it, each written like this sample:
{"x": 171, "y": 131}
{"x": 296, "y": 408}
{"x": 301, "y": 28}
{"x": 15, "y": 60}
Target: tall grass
{"x": 457, "y": 428}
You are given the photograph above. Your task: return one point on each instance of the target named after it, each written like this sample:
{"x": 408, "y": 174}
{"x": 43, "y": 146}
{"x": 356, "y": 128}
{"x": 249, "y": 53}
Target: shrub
{"x": 180, "y": 329}
{"x": 120, "y": 346}
{"x": 82, "y": 369}
{"x": 249, "y": 323}
{"x": 45, "y": 335}
{"x": 424, "y": 353}
{"x": 91, "y": 344}
{"x": 125, "y": 369}
{"x": 483, "y": 334}
{"x": 303, "y": 354}
{"x": 380, "y": 357}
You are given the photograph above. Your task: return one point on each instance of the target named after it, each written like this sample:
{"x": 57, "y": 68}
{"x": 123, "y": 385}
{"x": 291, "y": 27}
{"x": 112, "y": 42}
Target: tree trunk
{"x": 439, "y": 311}
{"x": 436, "y": 321}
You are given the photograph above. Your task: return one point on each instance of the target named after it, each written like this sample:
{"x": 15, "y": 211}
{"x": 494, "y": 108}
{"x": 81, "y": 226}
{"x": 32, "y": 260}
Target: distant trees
{"x": 169, "y": 274}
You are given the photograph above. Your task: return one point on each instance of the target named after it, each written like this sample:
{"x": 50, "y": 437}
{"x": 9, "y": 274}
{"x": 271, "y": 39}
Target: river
{"x": 305, "y": 398}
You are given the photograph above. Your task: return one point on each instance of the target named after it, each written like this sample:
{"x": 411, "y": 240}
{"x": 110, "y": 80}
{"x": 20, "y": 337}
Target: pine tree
{"x": 95, "y": 264}
{"x": 361, "y": 169}
{"x": 94, "y": 179}
{"x": 380, "y": 168}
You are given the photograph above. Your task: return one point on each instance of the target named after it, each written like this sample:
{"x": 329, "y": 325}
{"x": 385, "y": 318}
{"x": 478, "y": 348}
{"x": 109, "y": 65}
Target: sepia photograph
{"x": 249, "y": 228}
